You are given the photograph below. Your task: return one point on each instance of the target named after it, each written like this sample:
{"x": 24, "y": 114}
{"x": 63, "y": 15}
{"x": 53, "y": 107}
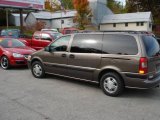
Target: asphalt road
{"x": 23, "y": 97}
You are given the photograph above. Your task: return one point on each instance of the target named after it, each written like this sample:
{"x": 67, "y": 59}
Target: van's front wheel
{"x": 37, "y": 69}
{"x": 111, "y": 84}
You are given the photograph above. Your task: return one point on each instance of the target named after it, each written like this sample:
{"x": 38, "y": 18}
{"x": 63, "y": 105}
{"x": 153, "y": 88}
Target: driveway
{"x": 23, "y": 97}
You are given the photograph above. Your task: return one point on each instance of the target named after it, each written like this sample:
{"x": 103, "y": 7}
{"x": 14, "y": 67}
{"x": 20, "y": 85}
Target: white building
{"x": 14, "y": 19}
{"x": 52, "y": 20}
{"x": 140, "y": 21}
{"x": 103, "y": 17}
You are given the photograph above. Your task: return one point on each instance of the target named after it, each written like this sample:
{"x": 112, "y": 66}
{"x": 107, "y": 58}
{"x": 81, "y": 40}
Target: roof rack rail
{"x": 128, "y": 31}
{"x": 117, "y": 31}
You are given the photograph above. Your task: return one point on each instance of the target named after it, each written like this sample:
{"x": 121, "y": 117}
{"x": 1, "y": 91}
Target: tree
{"x": 143, "y": 6}
{"x": 55, "y": 5}
{"x": 68, "y": 4}
{"x": 83, "y": 12}
{"x": 52, "y": 5}
{"x": 115, "y": 6}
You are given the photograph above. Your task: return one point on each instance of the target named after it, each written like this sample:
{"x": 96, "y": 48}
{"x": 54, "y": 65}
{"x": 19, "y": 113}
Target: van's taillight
{"x": 143, "y": 65}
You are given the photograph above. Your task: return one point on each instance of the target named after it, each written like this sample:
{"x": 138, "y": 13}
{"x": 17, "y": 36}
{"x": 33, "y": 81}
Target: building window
{"x": 137, "y": 23}
{"x": 89, "y": 19}
{"x": 62, "y": 21}
{"x": 150, "y": 25}
{"x": 114, "y": 24}
{"x": 142, "y": 24}
{"x": 126, "y": 24}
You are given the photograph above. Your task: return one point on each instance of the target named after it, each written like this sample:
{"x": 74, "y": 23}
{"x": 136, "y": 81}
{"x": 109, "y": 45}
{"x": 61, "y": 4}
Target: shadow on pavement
{"x": 16, "y": 68}
{"x": 73, "y": 81}
{"x": 128, "y": 93}
{"x": 138, "y": 93}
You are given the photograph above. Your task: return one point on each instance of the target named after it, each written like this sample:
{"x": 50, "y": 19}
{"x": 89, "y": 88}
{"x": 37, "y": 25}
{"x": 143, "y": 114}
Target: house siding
{"x": 131, "y": 26}
{"x": 68, "y": 22}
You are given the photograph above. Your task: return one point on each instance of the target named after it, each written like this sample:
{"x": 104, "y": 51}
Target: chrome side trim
{"x": 136, "y": 88}
{"x": 71, "y": 66}
{"x": 72, "y": 77}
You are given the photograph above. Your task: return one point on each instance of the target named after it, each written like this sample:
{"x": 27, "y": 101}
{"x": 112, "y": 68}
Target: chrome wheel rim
{"x": 37, "y": 70}
{"x": 4, "y": 62}
{"x": 110, "y": 85}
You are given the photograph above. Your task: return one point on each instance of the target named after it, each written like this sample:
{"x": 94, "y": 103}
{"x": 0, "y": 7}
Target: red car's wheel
{"x": 5, "y": 62}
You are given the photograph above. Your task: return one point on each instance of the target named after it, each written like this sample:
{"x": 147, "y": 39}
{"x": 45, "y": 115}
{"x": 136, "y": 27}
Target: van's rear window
{"x": 151, "y": 45}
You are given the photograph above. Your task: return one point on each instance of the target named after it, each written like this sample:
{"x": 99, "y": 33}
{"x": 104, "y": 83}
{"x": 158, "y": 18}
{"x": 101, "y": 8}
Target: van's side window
{"x": 119, "y": 44}
{"x": 87, "y": 43}
{"x": 60, "y": 44}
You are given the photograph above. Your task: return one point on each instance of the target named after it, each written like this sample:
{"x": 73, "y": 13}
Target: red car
{"x": 69, "y": 30}
{"x": 13, "y": 52}
{"x": 42, "y": 39}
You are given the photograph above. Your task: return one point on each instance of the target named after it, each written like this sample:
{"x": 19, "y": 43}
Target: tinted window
{"x": 60, "y": 44}
{"x": 151, "y": 45}
{"x": 11, "y": 43}
{"x": 119, "y": 44}
{"x": 87, "y": 43}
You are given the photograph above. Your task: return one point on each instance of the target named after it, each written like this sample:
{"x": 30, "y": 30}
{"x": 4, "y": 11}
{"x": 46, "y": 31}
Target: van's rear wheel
{"x": 37, "y": 69}
{"x": 111, "y": 84}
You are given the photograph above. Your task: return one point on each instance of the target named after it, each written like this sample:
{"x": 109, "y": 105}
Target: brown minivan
{"x": 114, "y": 59}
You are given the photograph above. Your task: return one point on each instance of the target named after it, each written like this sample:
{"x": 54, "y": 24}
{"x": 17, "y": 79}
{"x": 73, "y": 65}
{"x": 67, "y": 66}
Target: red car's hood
{"x": 21, "y": 50}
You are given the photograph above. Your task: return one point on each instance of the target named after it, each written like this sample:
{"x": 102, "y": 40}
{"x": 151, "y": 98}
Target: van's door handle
{"x": 64, "y": 55}
{"x": 72, "y": 56}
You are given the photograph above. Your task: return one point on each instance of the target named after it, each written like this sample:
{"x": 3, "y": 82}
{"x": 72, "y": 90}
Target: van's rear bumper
{"x": 140, "y": 81}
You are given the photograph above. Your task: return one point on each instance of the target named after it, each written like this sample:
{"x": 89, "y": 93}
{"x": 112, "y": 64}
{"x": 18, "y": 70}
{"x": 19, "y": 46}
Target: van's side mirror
{"x": 50, "y": 49}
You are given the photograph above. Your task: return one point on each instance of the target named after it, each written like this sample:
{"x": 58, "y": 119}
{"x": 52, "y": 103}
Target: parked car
{"x": 42, "y": 39}
{"x": 86, "y": 31}
{"x": 50, "y": 30}
{"x": 55, "y": 35}
{"x": 13, "y": 53}
{"x": 115, "y": 60}
{"x": 13, "y": 33}
{"x": 69, "y": 30}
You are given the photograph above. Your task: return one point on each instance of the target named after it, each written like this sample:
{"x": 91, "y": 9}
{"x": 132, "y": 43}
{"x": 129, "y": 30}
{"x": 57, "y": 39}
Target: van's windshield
{"x": 151, "y": 46}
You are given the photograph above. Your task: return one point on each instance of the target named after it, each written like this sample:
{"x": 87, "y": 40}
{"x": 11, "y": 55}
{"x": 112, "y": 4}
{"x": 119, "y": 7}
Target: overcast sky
{"x": 123, "y": 1}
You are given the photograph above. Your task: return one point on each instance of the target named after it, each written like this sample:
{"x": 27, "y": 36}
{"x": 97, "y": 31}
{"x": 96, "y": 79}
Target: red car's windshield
{"x": 11, "y": 43}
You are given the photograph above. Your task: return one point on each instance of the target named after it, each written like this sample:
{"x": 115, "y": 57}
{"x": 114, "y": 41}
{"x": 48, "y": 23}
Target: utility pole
{"x": 7, "y": 18}
{"x": 21, "y": 20}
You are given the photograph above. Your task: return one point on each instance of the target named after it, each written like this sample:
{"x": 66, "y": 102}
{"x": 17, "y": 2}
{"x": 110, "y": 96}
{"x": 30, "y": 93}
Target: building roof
{"x": 53, "y": 15}
{"x": 128, "y": 17}
{"x": 99, "y": 10}
{"x": 18, "y": 15}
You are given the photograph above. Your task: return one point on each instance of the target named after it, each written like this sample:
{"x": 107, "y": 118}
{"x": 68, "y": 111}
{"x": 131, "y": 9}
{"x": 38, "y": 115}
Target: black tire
{"x": 37, "y": 69}
{"x": 112, "y": 84}
{"x": 5, "y": 62}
